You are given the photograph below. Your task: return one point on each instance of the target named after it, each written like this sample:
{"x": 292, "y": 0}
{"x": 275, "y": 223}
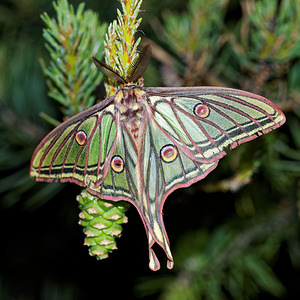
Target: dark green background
{"x": 42, "y": 254}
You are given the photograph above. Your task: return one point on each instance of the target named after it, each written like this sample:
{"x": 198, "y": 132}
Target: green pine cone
{"x": 102, "y": 221}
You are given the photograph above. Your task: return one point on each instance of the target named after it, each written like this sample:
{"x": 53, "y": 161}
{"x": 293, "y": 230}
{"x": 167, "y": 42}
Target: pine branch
{"x": 195, "y": 37}
{"x": 72, "y": 39}
{"x": 120, "y": 45}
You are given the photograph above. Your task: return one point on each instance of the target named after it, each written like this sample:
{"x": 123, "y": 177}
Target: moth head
{"x": 136, "y": 68}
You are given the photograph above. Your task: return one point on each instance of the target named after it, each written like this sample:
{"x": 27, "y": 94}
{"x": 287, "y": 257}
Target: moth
{"x": 142, "y": 143}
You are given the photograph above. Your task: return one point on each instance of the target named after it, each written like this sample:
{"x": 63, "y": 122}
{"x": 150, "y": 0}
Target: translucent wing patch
{"x": 120, "y": 182}
{"x": 77, "y": 150}
{"x": 204, "y": 121}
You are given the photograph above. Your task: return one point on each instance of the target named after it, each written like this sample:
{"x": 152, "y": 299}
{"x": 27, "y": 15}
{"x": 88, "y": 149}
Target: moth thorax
{"x": 130, "y": 102}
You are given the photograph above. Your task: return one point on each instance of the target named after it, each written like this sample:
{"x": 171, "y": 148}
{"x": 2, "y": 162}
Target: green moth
{"x": 142, "y": 143}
